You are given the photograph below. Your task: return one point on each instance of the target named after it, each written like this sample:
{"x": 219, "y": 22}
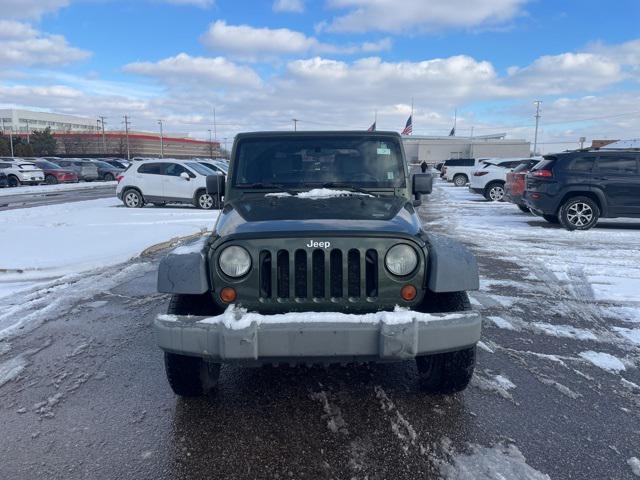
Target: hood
{"x": 291, "y": 215}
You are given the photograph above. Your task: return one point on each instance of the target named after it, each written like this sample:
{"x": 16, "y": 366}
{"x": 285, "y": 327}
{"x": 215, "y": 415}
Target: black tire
{"x": 132, "y": 199}
{"x": 524, "y": 208}
{"x": 448, "y": 372}
{"x": 205, "y": 201}
{"x": 551, "y": 218}
{"x": 460, "y": 180}
{"x": 13, "y": 181}
{"x": 579, "y": 213}
{"x": 494, "y": 192}
{"x": 50, "y": 179}
{"x": 191, "y": 376}
{"x": 108, "y": 177}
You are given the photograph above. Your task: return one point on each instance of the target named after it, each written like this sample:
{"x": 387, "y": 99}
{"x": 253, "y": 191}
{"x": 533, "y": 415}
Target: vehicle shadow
{"x": 295, "y": 421}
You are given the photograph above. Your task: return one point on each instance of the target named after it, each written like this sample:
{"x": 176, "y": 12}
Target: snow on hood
{"x": 236, "y": 318}
{"x": 318, "y": 193}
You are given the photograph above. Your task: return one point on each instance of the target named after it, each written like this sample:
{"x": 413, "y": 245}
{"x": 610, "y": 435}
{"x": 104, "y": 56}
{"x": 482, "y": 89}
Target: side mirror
{"x": 185, "y": 176}
{"x": 422, "y": 184}
{"x": 215, "y": 186}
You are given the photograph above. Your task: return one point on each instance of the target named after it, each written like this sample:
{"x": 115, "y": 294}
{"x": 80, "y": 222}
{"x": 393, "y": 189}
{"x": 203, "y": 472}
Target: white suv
{"x": 165, "y": 181}
{"x": 459, "y": 170}
{"x": 490, "y": 177}
{"x": 20, "y": 172}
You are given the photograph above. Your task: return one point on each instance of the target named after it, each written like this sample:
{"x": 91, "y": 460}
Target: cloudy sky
{"x": 331, "y": 64}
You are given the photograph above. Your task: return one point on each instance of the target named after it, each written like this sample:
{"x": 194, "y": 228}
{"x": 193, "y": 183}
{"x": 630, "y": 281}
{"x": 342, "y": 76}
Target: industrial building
{"x": 434, "y": 149}
{"x": 133, "y": 144}
{"x": 26, "y": 121}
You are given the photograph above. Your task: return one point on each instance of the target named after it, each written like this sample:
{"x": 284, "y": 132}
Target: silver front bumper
{"x": 317, "y": 342}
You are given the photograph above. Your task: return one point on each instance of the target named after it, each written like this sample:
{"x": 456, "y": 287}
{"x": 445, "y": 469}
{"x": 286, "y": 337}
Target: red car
{"x": 54, "y": 173}
{"x": 515, "y": 184}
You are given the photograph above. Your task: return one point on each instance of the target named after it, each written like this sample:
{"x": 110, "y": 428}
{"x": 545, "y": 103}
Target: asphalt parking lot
{"x": 555, "y": 392}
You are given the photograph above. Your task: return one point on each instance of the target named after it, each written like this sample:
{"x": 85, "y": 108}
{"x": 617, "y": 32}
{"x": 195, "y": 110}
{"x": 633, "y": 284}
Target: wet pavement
{"x": 27, "y": 200}
{"x": 87, "y": 396}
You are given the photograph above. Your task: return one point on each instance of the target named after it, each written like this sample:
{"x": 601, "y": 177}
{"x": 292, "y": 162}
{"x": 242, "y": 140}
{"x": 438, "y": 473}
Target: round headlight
{"x": 234, "y": 261}
{"x": 401, "y": 260}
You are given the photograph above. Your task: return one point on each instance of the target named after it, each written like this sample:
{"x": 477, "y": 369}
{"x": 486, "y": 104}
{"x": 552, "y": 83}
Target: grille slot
{"x": 300, "y": 274}
{"x": 317, "y": 262}
{"x": 353, "y": 273}
{"x": 371, "y": 273}
{"x": 265, "y": 274}
{"x": 283, "y": 274}
{"x": 320, "y": 274}
{"x": 335, "y": 271}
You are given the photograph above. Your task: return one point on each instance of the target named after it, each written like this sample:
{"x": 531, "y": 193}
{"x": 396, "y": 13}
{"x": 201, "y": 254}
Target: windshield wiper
{"x": 350, "y": 187}
{"x": 267, "y": 186}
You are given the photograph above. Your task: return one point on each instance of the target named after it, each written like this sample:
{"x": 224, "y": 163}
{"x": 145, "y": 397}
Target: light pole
{"x": 161, "y": 140}
{"x": 104, "y": 138}
{"x": 295, "y": 124}
{"x": 210, "y": 145}
{"x": 535, "y": 138}
{"x": 10, "y": 136}
{"x": 28, "y": 140}
{"x": 126, "y": 129}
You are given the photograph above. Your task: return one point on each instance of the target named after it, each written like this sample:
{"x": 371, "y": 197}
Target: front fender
{"x": 452, "y": 267}
{"x": 183, "y": 271}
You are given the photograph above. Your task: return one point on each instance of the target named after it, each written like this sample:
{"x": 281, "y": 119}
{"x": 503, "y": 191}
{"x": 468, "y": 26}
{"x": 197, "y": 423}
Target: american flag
{"x": 372, "y": 128}
{"x": 408, "y": 128}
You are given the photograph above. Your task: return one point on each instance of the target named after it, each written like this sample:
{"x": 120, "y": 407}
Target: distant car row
{"x": 573, "y": 189}
{"x": 52, "y": 170}
{"x": 163, "y": 181}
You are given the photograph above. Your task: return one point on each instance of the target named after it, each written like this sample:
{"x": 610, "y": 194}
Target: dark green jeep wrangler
{"x": 318, "y": 256}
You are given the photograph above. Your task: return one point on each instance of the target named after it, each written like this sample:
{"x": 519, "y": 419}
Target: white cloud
{"x": 254, "y": 43}
{"x": 30, "y": 8}
{"x": 209, "y": 72}
{"x": 248, "y": 40}
{"x": 567, "y": 72}
{"x": 394, "y": 16}
{"x": 295, "y": 6}
{"x": 627, "y": 54}
{"x": 22, "y": 45}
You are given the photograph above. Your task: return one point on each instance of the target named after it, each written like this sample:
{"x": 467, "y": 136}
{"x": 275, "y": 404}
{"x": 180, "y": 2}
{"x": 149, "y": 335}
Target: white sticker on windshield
{"x": 384, "y": 151}
{"x": 389, "y": 175}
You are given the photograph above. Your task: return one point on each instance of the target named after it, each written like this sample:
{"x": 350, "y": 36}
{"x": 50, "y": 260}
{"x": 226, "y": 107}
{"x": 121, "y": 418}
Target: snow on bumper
{"x": 237, "y": 335}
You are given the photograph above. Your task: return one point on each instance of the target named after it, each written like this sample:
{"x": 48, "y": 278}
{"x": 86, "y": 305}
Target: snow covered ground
{"x": 63, "y": 187}
{"x": 42, "y": 244}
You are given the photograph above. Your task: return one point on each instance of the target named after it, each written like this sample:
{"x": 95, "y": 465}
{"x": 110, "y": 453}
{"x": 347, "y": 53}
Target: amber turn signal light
{"x": 408, "y": 292}
{"x": 228, "y": 294}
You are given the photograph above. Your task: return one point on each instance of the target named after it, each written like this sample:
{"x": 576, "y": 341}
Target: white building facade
{"x": 27, "y": 121}
{"x": 437, "y": 149}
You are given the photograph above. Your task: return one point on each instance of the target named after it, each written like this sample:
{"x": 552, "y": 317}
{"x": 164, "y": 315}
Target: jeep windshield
{"x": 358, "y": 163}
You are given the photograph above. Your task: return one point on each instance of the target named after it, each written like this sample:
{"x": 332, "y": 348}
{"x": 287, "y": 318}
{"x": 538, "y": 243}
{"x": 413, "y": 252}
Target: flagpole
{"x": 411, "y": 115}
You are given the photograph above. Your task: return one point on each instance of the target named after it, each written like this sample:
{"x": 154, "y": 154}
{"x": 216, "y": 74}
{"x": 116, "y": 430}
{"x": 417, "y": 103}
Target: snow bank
{"x": 63, "y": 187}
{"x": 44, "y": 243}
{"x": 634, "y": 463}
{"x": 491, "y": 463}
{"x": 604, "y": 361}
{"x": 238, "y": 318}
{"x": 318, "y": 193}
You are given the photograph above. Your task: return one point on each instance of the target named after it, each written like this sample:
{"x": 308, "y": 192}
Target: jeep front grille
{"x": 319, "y": 274}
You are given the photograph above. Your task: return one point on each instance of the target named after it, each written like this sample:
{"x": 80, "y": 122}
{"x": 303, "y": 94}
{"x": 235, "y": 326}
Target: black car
{"x": 576, "y": 188}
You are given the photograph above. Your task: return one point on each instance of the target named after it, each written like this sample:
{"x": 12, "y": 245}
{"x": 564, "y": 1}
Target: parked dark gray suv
{"x": 575, "y": 189}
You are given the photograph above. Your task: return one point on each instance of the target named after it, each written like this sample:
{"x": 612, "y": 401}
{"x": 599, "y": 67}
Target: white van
{"x": 165, "y": 181}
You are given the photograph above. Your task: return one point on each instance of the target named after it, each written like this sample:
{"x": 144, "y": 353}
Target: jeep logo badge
{"x": 314, "y": 244}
